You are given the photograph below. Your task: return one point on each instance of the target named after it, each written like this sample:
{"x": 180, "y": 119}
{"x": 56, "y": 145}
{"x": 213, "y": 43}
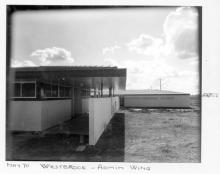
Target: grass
{"x": 162, "y": 136}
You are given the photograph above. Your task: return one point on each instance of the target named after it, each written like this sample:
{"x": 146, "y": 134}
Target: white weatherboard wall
{"x": 85, "y": 105}
{"x": 55, "y": 112}
{"x": 157, "y": 101}
{"x": 101, "y": 111}
{"x": 24, "y": 116}
{"x": 38, "y": 115}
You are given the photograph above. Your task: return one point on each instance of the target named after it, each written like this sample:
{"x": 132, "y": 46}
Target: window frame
{"x": 21, "y": 82}
{"x": 58, "y": 96}
{"x": 21, "y": 86}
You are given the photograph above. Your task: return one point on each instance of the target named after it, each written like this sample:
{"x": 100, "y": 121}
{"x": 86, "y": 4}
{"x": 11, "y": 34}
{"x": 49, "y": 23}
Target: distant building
{"x": 45, "y": 96}
{"x": 153, "y": 99}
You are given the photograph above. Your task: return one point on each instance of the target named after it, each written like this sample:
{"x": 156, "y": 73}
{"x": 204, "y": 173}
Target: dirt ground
{"x": 133, "y": 135}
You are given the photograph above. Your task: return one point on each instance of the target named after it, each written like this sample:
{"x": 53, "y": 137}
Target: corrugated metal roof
{"x": 63, "y": 68}
{"x": 147, "y": 92}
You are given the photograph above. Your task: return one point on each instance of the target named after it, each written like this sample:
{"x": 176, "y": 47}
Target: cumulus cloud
{"x": 111, "y": 62}
{"x": 180, "y": 36}
{"x": 111, "y": 49}
{"x": 25, "y": 63}
{"x": 160, "y": 56}
{"x": 53, "y": 56}
{"x": 181, "y": 31}
{"x": 45, "y": 57}
{"x": 179, "y": 20}
{"x": 145, "y": 44}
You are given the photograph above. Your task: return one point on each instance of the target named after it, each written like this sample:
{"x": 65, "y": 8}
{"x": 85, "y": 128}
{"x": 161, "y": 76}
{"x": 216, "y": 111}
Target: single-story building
{"x": 153, "y": 99}
{"x": 42, "y": 97}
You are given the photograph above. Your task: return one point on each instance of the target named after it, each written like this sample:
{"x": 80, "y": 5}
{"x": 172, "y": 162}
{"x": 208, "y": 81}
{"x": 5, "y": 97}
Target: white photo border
{"x": 210, "y": 134}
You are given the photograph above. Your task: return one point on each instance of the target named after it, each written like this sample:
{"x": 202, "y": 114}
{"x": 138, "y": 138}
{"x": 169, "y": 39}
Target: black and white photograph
{"x": 107, "y": 84}
{"x": 110, "y": 87}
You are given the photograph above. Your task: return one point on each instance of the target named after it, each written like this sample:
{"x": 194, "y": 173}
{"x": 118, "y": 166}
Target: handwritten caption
{"x": 18, "y": 165}
{"x": 49, "y": 166}
{"x": 209, "y": 95}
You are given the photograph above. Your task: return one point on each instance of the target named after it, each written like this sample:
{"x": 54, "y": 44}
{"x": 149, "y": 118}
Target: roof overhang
{"x": 86, "y": 77}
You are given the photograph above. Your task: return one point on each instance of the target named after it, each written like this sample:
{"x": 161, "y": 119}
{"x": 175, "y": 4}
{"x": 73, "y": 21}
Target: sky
{"x": 152, "y": 43}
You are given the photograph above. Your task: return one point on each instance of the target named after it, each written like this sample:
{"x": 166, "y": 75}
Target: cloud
{"x": 181, "y": 31}
{"x": 145, "y": 44}
{"x": 194, "y": 62}
{"x": 159, "y": 57}
{"x": 179, "y": 20}
{"x": 53, "y": 56}
{"x": 142, "y": 73}
{"x": 111, "y": 62}
{"x": 190, "y": 79}
{"x": 46, "y": 57}
{"x": 180, "y": 37}
{"x": 111, "y": 49}
{"x": 25, "y": 63}
{"x": 145, "y": 74}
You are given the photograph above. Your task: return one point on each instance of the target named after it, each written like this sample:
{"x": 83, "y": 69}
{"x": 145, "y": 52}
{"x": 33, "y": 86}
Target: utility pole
{"x": 160, "y": 84}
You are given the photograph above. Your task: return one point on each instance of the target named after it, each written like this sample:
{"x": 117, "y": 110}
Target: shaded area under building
{"x": 62, "y": 147}
{"x": 76, "y": 126}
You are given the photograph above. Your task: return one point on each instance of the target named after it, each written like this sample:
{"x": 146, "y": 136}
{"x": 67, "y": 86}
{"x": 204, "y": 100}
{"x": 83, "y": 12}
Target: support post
{"x": 101, "y": 89}
{"x": 110, "y": 91}
{"x": 81, "y": 139}
{"x": 72, "y": 103}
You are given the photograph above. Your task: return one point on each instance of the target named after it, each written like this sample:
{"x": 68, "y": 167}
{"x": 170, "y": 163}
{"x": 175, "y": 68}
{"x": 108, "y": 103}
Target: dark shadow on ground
{"x": 78, "y": 125}
{"x": 110, "y": 147}
{"x": 62, "y": 147}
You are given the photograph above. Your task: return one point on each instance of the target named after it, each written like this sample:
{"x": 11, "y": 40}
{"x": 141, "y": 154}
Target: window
{"x": 28, "y": 89}
{"x": 67, "y": 92}
{"x": 24, "y": 89}
{"x": 85, "y": 92}
{"x": 62, "y": 91}
{"x": 47, "y": 90}
{"x": 55, "y": 91}
{"x": 17, "y": 90}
